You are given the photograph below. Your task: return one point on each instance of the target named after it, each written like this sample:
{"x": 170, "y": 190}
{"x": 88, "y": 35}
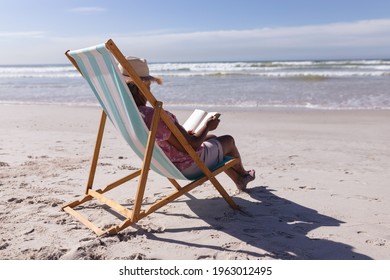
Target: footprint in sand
{"x": 4, "y": 245}
{"x": 205, "y": 257}
{"x": 214, "y": 236}
{"x": 307, "y": 188}
{"x": 15, "y": 200}
{"x": 138, "y": 256}
{"x": 232, "y": 245}
{"x": 377, "y": 242}
{"x": 363, "y": 197}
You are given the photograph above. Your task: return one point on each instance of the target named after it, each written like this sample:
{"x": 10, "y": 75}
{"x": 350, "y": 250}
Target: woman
{"x": 210, "y": 148}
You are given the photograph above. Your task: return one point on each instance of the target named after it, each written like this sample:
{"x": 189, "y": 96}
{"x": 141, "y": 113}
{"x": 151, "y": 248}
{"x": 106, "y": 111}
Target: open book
{"x": 198, "y": 119}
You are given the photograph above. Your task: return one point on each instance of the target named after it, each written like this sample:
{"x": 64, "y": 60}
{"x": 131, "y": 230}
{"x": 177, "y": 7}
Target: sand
{"x": 321, "y": 192}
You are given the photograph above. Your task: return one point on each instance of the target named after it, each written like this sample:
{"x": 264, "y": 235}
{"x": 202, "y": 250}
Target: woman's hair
{"x": 133, "y": 88}
{"x": 136, "y": 93}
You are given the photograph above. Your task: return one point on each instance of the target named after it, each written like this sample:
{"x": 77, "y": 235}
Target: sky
{"x": 40, "y": 31}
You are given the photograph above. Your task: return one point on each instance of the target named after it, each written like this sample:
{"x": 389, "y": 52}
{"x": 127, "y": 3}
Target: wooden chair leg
{"x": 96, "y": 152}
{"x": 146, "y": 162}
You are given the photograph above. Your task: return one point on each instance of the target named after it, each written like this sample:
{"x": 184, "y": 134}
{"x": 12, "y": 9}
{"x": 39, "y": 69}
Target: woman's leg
{"x": 237, "y": 173}
{"x": 209, "y": 136}
{"x": 229, "y": 149}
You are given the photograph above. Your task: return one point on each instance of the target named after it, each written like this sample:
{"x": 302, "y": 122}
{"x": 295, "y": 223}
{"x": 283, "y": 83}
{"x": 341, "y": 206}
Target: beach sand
{"x": 321, "y": 192}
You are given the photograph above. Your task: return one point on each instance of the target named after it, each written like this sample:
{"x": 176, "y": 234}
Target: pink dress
{"x": 180, "y": 159}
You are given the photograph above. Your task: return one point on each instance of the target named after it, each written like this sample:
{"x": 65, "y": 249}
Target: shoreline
{"x": 321, "y": 189}
{"x": 191, "y": 107}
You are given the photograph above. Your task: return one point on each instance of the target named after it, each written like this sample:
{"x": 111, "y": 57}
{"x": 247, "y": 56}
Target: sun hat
{"x": 140, "y": 66}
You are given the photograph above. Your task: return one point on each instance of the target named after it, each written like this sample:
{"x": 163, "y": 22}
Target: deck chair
{"x": 99, "y": 66}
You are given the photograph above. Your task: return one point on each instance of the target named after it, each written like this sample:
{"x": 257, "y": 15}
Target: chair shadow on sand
{"x": 271, "y": 227}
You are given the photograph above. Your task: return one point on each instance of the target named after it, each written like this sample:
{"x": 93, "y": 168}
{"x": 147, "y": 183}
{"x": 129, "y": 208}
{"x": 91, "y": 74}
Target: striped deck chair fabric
{"x": 99, "y": 68}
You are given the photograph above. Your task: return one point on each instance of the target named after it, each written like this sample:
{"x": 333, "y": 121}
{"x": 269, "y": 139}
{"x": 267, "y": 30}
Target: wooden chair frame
{"x": 132, "y": 216}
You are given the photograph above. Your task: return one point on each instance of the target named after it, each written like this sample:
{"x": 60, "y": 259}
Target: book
{"x": 198, "y": 119}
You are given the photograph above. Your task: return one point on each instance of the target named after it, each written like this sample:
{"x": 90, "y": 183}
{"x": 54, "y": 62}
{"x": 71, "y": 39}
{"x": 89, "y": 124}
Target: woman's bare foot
{"x": 243, "y": 181}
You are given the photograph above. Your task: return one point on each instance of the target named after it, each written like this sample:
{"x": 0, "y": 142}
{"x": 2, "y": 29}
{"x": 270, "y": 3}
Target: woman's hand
{"x": 212, "y": 123}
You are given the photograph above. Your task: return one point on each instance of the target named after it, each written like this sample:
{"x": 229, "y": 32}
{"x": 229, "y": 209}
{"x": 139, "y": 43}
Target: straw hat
{"x": 140, "y": 65}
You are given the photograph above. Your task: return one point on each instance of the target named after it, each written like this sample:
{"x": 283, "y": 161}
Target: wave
{"x": 191, "y": 106}
{"x": 272, "y": 69}
{"x": 38, "y": 72}
{"x": 276, "y": 68}
{"x": 280, "y": 74}
{"x": 256, "y": 106}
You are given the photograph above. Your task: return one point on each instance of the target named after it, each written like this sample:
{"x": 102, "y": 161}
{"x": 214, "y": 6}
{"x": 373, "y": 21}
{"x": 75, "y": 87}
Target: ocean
{"x": 257, "y": 85}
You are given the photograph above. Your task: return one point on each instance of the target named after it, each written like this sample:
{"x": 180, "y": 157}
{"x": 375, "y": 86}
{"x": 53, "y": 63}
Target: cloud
{"x": 22, "y": 34}
{"x": 360, "y": 38}
{"x": 87, "y": 10}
